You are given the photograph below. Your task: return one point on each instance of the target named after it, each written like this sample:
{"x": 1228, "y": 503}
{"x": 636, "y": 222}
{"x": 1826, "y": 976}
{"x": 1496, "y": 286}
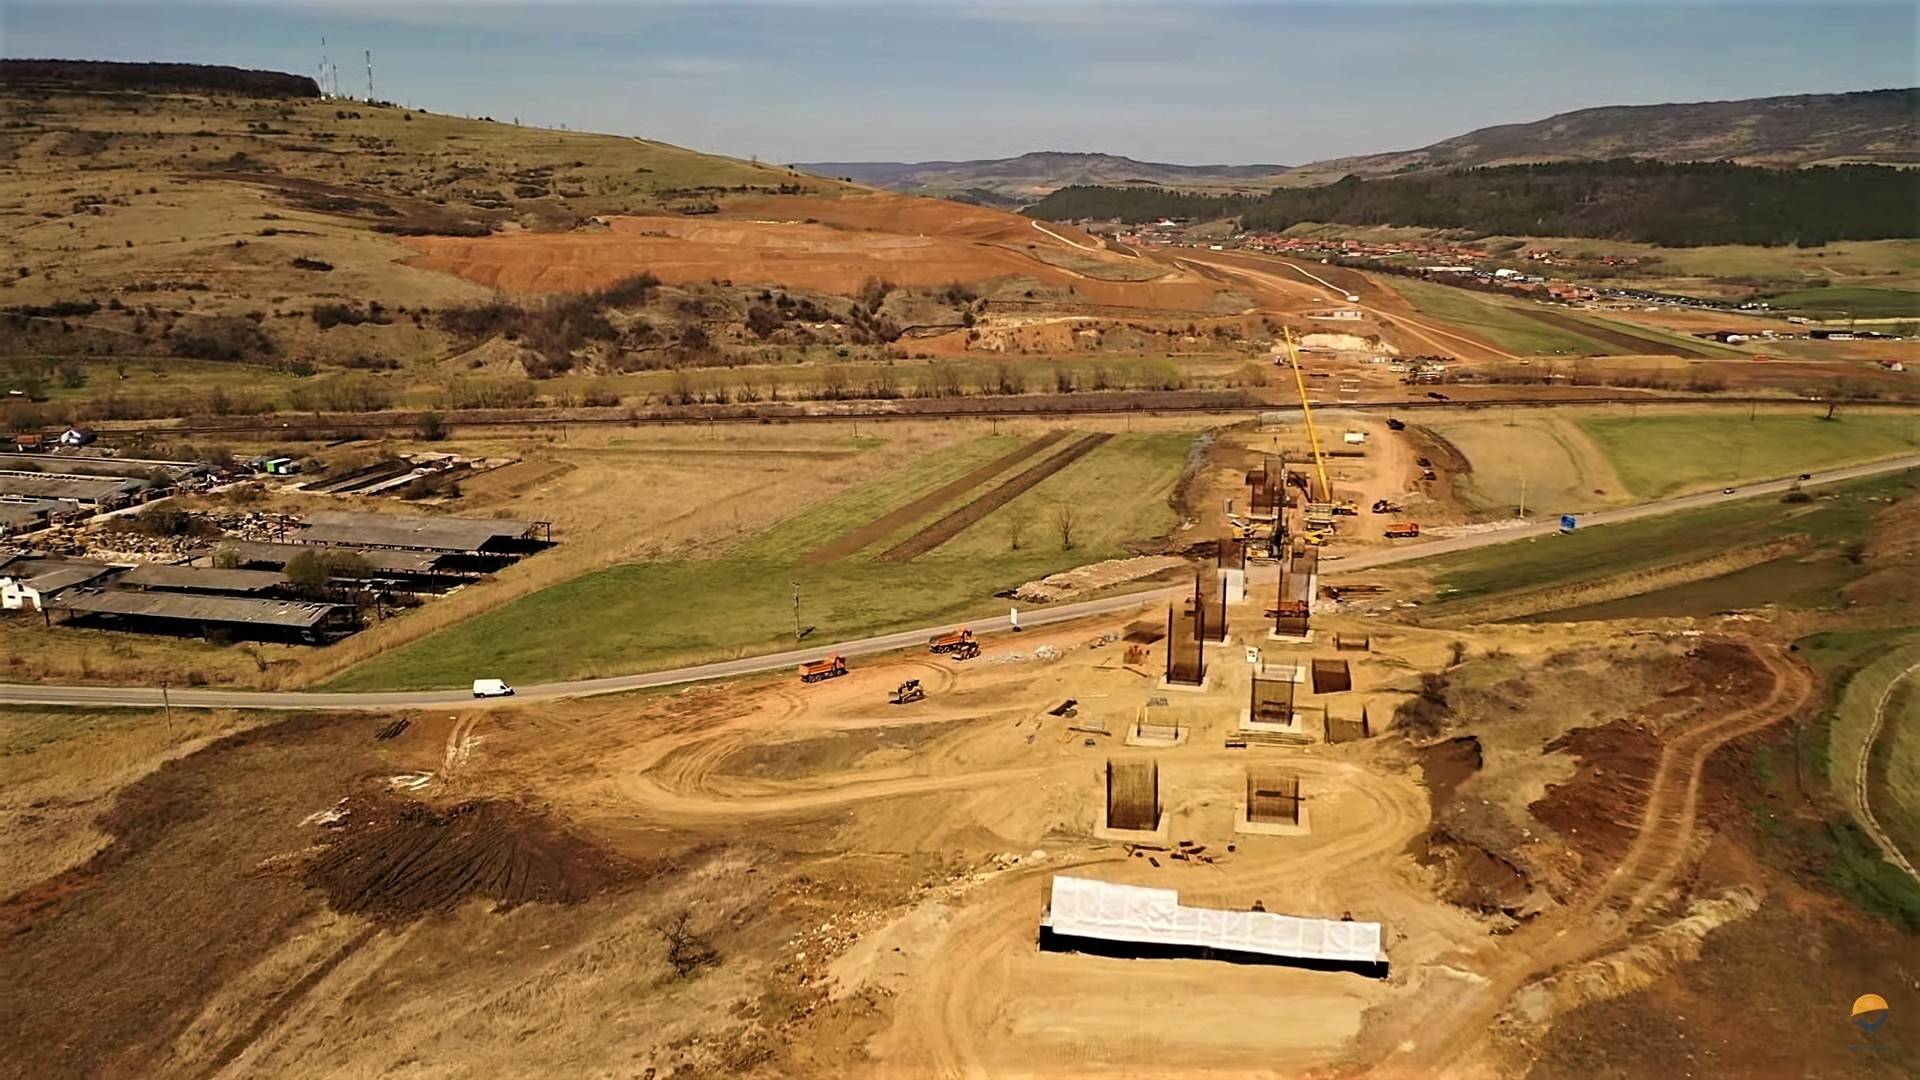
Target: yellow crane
{"x": 1306, "y": 410}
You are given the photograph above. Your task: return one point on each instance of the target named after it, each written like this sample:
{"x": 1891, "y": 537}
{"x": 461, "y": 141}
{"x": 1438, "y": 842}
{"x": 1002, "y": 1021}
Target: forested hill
{"x": 1677, "y": 205}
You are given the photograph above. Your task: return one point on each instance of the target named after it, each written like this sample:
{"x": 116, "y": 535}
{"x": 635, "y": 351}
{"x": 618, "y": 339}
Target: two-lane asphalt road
{"x": 154, "y": 697}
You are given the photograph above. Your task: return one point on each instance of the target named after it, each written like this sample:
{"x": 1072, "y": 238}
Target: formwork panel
{"x": 1331, "y": 676}
{"x": 1186, "y": 651}
{"x": 1133, "y": 795}
{"x": 1273, "y": 797}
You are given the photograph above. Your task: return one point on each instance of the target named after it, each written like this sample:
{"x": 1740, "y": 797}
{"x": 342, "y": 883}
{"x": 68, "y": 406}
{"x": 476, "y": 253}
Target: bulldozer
{"x": 906, "y": 692}
{"x": 966, "y": 650}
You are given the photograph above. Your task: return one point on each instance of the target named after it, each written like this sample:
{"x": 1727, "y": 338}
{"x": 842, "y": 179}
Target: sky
{"x": 1273, "y": 83}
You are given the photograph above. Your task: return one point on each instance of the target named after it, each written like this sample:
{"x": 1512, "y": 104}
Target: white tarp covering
{"x": 1096, "y": 909}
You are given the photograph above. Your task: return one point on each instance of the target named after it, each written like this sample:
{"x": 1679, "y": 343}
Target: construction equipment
{"x": 1316, "y": 538}
{"x": 1396, "y": 425}
{"x": 940, "y": 643}
{"x": 1403, "y": 530}
{"x": 1345, "y": 509}
{"x": 908, "y": 691}
{"x": 830, "y": 668}
{"x": 1306, "y": 411}
{"x": 1382, "y": 506}
{"x": 966, "y": 650}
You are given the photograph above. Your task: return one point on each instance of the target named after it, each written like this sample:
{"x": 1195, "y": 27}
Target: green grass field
{"x": 1497, "y": 322}
{"x": 650, "y": 615}
{"x": 1661, "y": 455}
{"x": 1592, "y": 554}
{"x": 1840, "y": 301}
{"x": 1865, "y": 664}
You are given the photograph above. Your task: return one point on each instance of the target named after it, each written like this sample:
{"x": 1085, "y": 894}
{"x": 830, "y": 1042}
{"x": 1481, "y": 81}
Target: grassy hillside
{"x": 215, "y": 226}
{"x": 1016, "y": 181}
{"x": 1680, "y": 205}
{"x": 1800, "y": 129}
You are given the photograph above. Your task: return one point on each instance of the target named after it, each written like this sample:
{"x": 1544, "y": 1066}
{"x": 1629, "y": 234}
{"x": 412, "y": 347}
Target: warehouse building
{"x": 198, "y": 615}
{"x": 468, "y": 544}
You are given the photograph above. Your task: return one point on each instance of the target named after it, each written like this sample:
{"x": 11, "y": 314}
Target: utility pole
{"x": 166, "y": 702}
{"x": 1523, "y": 497}
{"x": 796, "y": 610}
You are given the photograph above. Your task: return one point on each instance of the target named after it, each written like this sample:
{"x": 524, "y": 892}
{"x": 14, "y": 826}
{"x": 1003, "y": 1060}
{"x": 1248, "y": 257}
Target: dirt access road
{"x": 153, "y": 697}
{"x": 1443, "y": 1031}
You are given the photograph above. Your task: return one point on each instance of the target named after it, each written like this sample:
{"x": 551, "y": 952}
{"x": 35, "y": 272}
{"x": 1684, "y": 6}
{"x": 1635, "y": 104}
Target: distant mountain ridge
{"x": 1873, "y": 126}
{"x": 1876, "y": 126}
{"x": 1020, "y": 180}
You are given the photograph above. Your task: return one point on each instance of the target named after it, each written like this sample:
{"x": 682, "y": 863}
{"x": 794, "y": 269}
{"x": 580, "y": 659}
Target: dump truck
{"x": 1403, "y": 530}
{"x": 940, "y": 643}
{"x": 815, "y": 670}
{"x": 908, "y": 691}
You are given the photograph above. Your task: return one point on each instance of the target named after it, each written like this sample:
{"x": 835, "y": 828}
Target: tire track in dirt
{"x": 1436, "y": 1030}
{"x": 953, "y": 524}
{"x": 284, "y": 1001}
{"x": 1861, "y": 781}
{"x": 945, "y": 1011}
{"x": 879, "y": 528}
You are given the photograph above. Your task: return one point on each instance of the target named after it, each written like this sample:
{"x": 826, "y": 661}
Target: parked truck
{"x": 1403, "y": 530}
{"x": 815, "y": 670}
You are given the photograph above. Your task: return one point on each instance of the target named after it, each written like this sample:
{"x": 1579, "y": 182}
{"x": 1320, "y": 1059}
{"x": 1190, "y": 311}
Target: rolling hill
{"x": 1876, "y": 126}
{"x": 1017, "y": 181}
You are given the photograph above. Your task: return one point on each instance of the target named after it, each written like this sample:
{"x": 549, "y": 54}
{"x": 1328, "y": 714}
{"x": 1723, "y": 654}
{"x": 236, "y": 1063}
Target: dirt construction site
{"x": 774, "y": 878}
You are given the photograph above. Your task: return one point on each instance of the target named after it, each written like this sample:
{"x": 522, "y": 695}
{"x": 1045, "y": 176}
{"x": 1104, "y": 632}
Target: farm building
{"x": 90, "y": 492}
{"x": 157, "y": 577}
{"x": 202, "y": 615}
{"x": 1132, "y": 921}
{"x": 418, "y": 570}
{"x": 468, "y": 544}
{"x": 27, "y": 582}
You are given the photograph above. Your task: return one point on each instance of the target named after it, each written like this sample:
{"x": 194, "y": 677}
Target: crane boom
{"x": 1306, "y": 410}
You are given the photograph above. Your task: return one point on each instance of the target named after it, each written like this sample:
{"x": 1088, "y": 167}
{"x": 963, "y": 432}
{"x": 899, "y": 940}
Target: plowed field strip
{"x": 1635, "y": 345}
{"x": 950, "y": 526}
{"x": 848, "y": 544}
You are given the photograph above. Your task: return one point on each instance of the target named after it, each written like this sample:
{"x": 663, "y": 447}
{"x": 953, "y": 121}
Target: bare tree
{"x": 1065, "y": 519}
{"x": 687, "y": 952}
{"x": 1018, "y": 518}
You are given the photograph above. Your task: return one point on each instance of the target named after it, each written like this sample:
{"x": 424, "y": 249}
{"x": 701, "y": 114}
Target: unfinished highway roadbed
{"x": 953, "y": 524}
{"x": 882, "y": 527}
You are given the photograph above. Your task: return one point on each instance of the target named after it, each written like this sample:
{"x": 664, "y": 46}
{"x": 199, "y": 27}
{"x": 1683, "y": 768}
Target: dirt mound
{"x": 1602, "y": 804}
{"x": 1095, "y": 576}
{"x": 397, "y": 861}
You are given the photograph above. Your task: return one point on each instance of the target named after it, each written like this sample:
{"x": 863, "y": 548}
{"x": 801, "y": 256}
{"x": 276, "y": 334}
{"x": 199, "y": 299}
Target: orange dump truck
{"x": 1403, "y": 530}
{"x": 816, "y": 670}
{"x": 949, "y": 642}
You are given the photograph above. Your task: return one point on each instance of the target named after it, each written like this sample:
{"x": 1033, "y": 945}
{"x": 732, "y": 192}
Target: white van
{"x": 491, "y": 688}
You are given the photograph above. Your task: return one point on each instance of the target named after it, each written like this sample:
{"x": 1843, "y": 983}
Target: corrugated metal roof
{"x": 76, "y": 488}
{"x": 200, "y": 609}
{"x": 1085, "y": 908}
{"x": 158, "y": 576}
{"x": 408, "y": 531}
{"x": 381, "y": 561}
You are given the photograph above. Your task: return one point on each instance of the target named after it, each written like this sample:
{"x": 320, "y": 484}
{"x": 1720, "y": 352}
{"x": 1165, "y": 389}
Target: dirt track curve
{"x": 1439, "y": 1032}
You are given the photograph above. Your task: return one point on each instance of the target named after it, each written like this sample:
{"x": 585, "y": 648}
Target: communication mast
{"x": 369, "y": 76}
{"x": 324, "y": 90}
